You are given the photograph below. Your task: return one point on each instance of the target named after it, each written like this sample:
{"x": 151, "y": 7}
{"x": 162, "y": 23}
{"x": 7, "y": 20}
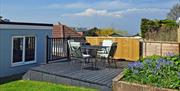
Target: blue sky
{"x": 119, "y": 14}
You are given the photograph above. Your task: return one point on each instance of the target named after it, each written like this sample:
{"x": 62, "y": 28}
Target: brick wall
{"x": 150, "y": 48}
{"x": 64, "y": 31}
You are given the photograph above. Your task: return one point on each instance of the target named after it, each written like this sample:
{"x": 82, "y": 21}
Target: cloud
{"x": 69, "y": 5}
{"x": 112, "y": 4}
{"x": 115, "y": 14}
{"x": 106, "y": 4}
{"x": 150, "y": 10}
{"x": 93, "y": 12}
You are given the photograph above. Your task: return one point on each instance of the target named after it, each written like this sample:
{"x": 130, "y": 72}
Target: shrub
{"x": 156, "y": 71}
{"x": 159, "y": 30}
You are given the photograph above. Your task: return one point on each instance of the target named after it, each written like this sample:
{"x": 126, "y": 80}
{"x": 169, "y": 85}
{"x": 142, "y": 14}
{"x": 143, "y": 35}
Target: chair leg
{"x": 104, "y": 62}
{"x": 95, "y": 63}
{"x": 83, "y": 63}
{"x": 109, "y": 62}
{"x": 92, "y": 63}
{"x": 115, "y": 63}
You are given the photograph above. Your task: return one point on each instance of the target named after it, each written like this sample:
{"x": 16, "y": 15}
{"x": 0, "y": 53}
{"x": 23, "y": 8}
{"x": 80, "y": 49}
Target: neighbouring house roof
{"x": 116, "y": 35}
{"x": 64, "y": 31}
{"x": 79, "y": 29}
{"x": 81, "y": 33}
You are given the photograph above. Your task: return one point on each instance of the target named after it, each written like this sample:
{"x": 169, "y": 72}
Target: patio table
{"x": 92, "y": 50}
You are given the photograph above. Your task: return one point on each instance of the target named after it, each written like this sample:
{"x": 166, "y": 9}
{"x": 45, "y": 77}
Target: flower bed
{"x": 162, "y": 72}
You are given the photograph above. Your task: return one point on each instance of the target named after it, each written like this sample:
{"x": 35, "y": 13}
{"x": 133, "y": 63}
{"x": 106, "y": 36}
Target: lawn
{"x": 26, "y": 85}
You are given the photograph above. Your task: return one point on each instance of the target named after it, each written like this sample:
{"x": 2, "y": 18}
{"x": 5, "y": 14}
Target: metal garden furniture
{"x": 76, "y": 53}
{"x": 109, "y": 55}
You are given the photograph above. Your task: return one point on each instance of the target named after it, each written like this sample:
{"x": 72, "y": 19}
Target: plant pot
{"x": 119, "y": 85}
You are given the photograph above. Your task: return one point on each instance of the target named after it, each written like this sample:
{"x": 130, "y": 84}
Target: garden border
{"x": 119, "y": 85}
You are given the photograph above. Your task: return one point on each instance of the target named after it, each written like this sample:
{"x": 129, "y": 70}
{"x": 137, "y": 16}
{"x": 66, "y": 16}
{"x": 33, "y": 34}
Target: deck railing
{"x": 57, "y": 48}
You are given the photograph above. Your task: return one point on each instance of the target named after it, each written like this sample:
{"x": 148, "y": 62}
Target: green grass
{"x": 26, "y": 85}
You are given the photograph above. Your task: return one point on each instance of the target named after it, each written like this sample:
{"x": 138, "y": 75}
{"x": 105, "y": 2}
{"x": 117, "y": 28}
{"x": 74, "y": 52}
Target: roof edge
{"x": 26, "y": 23}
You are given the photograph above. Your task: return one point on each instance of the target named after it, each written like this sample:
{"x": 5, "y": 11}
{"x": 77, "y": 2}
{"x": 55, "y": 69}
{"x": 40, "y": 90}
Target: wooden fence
{"x": 128, "y": 48}
{"x": 161, "y": 48}
{"x": 132, "y": 49}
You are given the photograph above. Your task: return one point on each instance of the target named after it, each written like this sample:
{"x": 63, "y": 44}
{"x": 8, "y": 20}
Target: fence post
{"x": 161, "y": 49}
{"x": 179, "y": 48}
{"x": 47, "y": 49}
{"x": 68, "y": 50}
{"x": 178, "y": 33}
{"x": 140, "y": 49}
{"x": 145, "y": 48}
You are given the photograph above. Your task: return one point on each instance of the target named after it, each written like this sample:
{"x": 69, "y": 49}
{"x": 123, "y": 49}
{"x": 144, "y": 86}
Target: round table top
{"x": 92, "y": 46}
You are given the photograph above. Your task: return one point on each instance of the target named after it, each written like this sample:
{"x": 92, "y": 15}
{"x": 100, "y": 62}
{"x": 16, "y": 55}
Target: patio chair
{"x": 76, "y": 53}
{"x": 69, "y": 47}
{"x": 71, "y": 40}
{"x": 110, "y": 55}
{"x": 106, "y": 43}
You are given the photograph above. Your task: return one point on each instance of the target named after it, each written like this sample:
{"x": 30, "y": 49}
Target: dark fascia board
{"x": 26, "y": 23}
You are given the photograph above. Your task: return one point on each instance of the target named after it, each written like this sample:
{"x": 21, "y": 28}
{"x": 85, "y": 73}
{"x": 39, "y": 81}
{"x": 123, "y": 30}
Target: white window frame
{"x": 23, "y": 62}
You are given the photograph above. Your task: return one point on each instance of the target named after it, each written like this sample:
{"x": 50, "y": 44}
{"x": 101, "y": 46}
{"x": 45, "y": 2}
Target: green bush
{"x": 159, "y": 30}
{"x": 156, "y": 71}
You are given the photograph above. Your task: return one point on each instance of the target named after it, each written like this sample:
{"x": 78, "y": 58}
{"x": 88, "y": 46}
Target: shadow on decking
{"x": 71, "y": 74}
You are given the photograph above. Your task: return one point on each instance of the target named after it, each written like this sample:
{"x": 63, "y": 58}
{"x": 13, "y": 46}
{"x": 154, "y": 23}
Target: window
{"x": 30, "y": 49}
{"x": 24, "y": 50}
{"x": 17, "y": 49}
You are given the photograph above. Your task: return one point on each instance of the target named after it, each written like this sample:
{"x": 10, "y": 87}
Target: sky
{"x": 118, "y": 14}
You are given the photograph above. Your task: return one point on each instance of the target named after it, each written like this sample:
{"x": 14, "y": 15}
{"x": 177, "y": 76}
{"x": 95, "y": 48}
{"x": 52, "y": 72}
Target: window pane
{"x": 17, "y": 49}
{"x": 30, "y": 49}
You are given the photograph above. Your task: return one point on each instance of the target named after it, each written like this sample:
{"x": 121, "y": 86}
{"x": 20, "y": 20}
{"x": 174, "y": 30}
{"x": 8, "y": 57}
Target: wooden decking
{"x": 71, "y": 73}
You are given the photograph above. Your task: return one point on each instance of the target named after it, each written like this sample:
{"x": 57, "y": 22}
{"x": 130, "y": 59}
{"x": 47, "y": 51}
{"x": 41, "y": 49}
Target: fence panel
{"x": 128, "y": 48}
{"x": 161, "y": 48}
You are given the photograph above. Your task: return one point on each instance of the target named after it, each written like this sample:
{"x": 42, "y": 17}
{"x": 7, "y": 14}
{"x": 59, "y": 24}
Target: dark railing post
{"x": 47, "y": 49}
{"x": 68, "y": 50}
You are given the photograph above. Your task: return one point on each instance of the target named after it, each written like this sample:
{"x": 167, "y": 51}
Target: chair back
{"x": 75, "y": 49}
{"x": 107, "y": 42}
{"x": 68, "y": 41}
{"x": 112, "y": 50}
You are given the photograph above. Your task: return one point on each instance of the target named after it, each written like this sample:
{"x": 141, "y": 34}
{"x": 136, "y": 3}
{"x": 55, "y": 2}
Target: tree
{"x": 91, "y": 32}
{"x": 174, "y": 13}
{"x": 4, "y": 20}
{"x": 110, "y": 31}
{"x": 160, "y": 30}
{"x": 1, "y": 18}
{"x": 105, "y": 32}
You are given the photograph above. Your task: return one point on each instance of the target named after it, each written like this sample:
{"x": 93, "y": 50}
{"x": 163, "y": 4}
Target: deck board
{"x": 73, "y": 72}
